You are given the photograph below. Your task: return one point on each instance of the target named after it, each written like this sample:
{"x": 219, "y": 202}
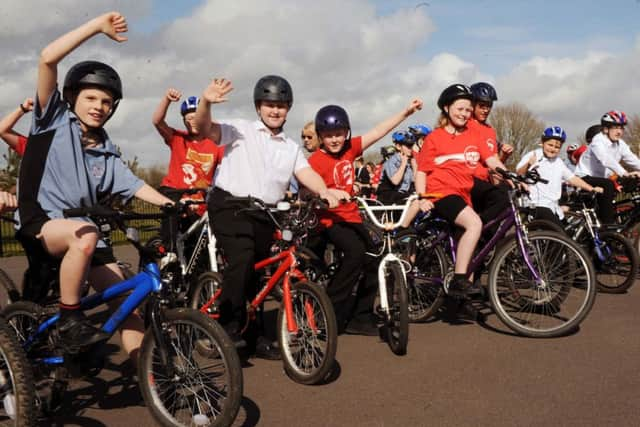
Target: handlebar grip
{"x": 542, "y": 180}
{"x": 75, "y": 212}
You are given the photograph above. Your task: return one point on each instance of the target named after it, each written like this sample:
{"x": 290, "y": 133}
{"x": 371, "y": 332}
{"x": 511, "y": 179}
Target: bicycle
{"x": 614, "y": 258}
{"x": 188, "y": 369}
{"x": 17, "y": 393}
{"x": 540, "y": 284}
{"x": 306, "y": 325}
{"x": 392, "y": 283}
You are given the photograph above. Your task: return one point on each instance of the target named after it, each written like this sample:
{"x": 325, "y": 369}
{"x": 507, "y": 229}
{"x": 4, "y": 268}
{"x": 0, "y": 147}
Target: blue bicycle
{"x": 188, "y": 370}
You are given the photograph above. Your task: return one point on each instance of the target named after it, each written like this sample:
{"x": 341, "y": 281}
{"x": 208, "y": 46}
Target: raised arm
{"x": 7, "y": 133}
{"x": 111, "y": 24}
{"x": 387, "y": 125}
{"x": 158, "y": 118}
{"x": 215, "y": 93}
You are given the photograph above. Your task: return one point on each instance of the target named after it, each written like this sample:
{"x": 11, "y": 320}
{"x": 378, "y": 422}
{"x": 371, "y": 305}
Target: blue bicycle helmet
{"x": 484, "y": 92}
{"x": 404, "y": 138}
{"x": 554, "y": 132}
{"x": 420, "y": 131}
{"x": 189, "y": 105}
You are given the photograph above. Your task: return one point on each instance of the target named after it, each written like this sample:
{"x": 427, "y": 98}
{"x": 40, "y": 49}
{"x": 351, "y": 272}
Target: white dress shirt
{"x": 603, "y": 156}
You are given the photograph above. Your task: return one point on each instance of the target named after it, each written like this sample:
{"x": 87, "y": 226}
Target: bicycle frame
{"x": 287, "y": 267}
{"x": 205, "y": 237}
{"x": 142, "y": 284}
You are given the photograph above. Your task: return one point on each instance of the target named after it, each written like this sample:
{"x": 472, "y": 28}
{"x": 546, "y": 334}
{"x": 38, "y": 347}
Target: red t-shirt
{"x": 21, "y": 146}
{"x": 338, "y": 173}
{"x": 377, "y": 174}
{"x": 192, "y": 162}
{"x": 450, "y": 162}
{"x": 487, "y": 134}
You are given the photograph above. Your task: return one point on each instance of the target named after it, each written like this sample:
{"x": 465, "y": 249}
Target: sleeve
{"x": 125, "y": 183}
{"x": 427, "y": 154}
{"x": 21, "y": 146}
{"x": 174, "y": 134}
{"x": 51, "y": 115}
{"x": 525, "y": 159}
{"x": 602, "y": 154}
{"x": 628, "y": 157}
{"x": 356, "y": 146}
{"x": 231, "y": 131}
{"x": 300, "y": 161}
{"x": 391, "y": 166}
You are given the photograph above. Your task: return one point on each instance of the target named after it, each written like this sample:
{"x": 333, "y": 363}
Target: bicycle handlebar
{"x": 385, "y": 208}
{"x": 532, "y": 176}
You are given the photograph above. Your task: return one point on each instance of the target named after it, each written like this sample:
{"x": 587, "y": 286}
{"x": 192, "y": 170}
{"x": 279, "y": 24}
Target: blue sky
{"x": 567, "y": 61}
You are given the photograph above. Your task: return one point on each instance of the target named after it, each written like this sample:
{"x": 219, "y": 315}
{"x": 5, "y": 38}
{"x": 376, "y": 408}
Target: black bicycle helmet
{"x": 484, "y": 92}
{"x": 453, "y": 93}
{"x": 93, "y": 73}
{"x": 273, "y": 88}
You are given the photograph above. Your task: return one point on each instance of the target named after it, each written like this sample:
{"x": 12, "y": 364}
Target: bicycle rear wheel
{"x": 397, "y": 319}
{"x": 206, "y": 287}
{"x": 17, "y": 391}
{"x": 552, "y": 306}
{"x": 617, "y": 272}
{"x": 308, "y": 352}
{"x": 429, "y": 266}
{"x": 196, "y": 387}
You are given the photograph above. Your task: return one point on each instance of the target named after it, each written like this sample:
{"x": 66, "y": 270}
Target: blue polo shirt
{"x": 56, "y": 173}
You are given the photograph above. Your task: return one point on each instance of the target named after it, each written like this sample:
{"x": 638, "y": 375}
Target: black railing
{"x": 9, "y": 246}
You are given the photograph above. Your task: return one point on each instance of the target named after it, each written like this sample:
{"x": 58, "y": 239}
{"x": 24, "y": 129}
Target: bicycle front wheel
{"x": 202, "y": 382}
{"x": 17, "y": 391}
{"x": 429, "y": 266}
{"x": 616, "y": 271}
{"x": 397, "y": 319}
{"x": 558, "y": 301}
{"x": 309, "y": 350}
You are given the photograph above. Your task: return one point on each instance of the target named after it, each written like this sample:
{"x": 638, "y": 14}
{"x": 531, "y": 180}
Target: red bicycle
{"x": 306, "y": 325}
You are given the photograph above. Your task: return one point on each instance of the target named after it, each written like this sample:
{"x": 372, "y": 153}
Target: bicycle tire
{"x": 8, "y": 291}
{"x": 187, "y": 383}
{"x": 308, "y": 355}
{"x": 429, "y": 265}
{"x": 544, "y": 224}
{"x": 397, "y": 320}
{"x": 25, "y": 317}
{"x": 16, "y": 382}
{"x": 205, "y": 287}
{"x": 622, "y": 263}
{"x": 542, "y": 310}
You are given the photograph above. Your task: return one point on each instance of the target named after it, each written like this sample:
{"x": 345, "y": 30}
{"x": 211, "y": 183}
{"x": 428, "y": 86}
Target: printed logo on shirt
{"x": 97, "y": 170}
{"x": 343, "y": 174}
{"x": 471, "y": 156}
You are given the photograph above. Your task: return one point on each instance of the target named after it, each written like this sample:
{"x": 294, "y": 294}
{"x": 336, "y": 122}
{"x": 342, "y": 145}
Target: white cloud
{"x": 332, "y": 52}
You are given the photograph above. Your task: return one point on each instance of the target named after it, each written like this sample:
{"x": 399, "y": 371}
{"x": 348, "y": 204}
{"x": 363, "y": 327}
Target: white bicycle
{"x": 392, "y": 281}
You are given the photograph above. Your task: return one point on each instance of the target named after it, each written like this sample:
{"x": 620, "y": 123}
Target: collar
{"x": 259, "y": 126}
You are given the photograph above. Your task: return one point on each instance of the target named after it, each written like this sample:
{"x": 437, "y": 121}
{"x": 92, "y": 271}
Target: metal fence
{"x": 9, "y": 246}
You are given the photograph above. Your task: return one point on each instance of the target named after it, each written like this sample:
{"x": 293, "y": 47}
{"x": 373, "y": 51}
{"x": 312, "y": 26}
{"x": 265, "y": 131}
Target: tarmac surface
{"x": 456, "y": 373}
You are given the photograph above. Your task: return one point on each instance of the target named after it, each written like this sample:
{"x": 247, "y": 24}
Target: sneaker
{"x": 267, "y": 349}
{"x": 236, "y": 338}
{"x": 75, "y": 332}
{"x": 362, "y": 326}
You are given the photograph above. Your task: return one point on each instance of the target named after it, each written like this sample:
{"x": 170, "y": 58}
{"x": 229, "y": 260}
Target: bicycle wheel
{"x": 618, "y": 270}
{"x": 557, "y": 303}
{"x": 8, "y": 291}
{"x": 397, "y": 319}
{"x": 196, "y": 387}
{"x": 544, "y": 224}
{"x": 205, "y": 288}
{"x": 308, "y": 352}
{"x": 25, "y": 317}
{"x": 17, "y": 391}
{"x": 428, "y": 266}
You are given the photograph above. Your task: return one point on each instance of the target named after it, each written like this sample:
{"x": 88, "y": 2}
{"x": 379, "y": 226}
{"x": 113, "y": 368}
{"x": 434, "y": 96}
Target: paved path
{"x": 453, "y": 375}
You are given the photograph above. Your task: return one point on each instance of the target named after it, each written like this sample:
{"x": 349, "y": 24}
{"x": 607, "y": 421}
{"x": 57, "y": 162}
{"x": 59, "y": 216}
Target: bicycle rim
{"x": 397, "y": 322}
{"x": 559, "y": 302}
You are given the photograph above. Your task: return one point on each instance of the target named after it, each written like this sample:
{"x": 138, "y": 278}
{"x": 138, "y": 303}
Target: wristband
{"x": 24, "y": 110}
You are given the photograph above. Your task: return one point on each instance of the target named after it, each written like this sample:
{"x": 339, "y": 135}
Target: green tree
{"x": 632, "y": 133}
{"x": 516, "y": 125}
